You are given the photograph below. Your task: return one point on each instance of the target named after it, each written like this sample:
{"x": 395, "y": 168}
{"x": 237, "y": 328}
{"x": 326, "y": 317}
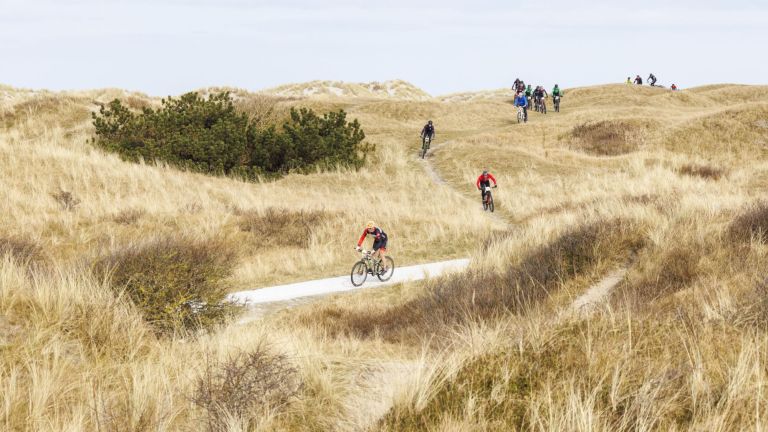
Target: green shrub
{"x": 213, "y": 137}
{"x": 177, "y": 284}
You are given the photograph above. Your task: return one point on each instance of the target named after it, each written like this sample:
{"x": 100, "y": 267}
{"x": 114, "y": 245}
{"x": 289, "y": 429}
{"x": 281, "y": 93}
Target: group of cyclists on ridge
{"x": 524, "y": 94}
{"x": 651, "y": 81}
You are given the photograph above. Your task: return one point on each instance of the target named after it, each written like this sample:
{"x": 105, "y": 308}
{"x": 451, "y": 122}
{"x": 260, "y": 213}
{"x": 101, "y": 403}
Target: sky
{"x": 168, "y": 47}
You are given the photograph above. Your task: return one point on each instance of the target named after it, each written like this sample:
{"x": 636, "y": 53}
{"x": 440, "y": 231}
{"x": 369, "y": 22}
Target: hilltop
{"x": 664, "y": 189}
{"x": 394, "y": 89}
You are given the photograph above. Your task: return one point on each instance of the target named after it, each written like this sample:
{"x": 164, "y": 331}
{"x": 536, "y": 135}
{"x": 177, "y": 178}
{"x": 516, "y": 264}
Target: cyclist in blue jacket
{"x": 522, "y": 101}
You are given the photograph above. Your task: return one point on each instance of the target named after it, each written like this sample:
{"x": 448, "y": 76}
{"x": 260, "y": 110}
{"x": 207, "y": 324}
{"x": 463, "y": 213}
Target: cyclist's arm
{"x": 362, "y": 238}
{"x": 490, "y": 176}
{"x": 477, "y": 184}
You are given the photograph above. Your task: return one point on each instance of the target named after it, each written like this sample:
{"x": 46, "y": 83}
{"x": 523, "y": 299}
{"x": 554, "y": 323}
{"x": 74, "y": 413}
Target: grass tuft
{"x": 708, "y": 172}
{"x": 751, "y": 224}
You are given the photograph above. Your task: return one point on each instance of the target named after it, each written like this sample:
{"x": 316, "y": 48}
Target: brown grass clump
{"x": 280, "y": 227}
{"x": 485, "y": 295}
{"x": 608, "y": 137}
{"x": 21, "y": 249}
{"x": 246, "y": 387}
{"x": 176, "y": 283}
{"x": 751, "y": 224}
{"x": 708, "y": 172}
{"x": 128, "y": 216}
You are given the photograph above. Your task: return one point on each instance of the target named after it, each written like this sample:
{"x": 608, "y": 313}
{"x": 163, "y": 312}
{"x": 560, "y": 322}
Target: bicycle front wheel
{"x": 390, "y": 269}
{"x": 359, "y": 273}
{"x": 490, "y": 204}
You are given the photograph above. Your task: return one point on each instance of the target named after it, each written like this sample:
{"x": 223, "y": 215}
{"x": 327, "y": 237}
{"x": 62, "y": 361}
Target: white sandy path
{"x": 343, "y": 283}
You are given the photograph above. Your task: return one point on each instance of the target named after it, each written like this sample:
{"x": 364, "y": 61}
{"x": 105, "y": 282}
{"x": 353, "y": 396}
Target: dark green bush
{"x": 177, "y": 284}
{"x": 213, "y": 137}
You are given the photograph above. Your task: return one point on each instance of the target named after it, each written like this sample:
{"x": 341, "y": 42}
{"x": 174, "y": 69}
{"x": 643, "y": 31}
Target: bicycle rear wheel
{"x": 390, "y": 269}
{"x": 359, "y": 273}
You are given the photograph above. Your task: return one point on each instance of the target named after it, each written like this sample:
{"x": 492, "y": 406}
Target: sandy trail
{"x": 344, "y": 283}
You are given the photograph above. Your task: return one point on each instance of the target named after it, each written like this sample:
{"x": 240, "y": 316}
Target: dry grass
{"x": 708, "y": 172}
{"x": 679, "y": 346}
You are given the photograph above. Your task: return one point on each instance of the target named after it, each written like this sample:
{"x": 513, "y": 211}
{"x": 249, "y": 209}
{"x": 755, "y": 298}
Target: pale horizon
{"x": 173, "y": 46}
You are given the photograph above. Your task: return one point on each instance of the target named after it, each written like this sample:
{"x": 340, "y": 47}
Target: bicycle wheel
{"x": 423, "y": 152}
{"x": 490, "y": 204}
{"x": 359, "y": 273}
{"x": 390, "y": 269}
{"x": 543, "y": 107}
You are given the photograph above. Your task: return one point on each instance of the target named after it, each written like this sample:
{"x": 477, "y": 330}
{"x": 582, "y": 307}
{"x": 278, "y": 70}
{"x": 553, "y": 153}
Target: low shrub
{"x": 243, "y": 387}
{"x": 212, "y": 136}
{"x": 276, "y": 227}
{"x": 66, "y": 200}
{"x": 704, "y": 171}
{"x": 178, "y": 284}
{"x": 752, "y": 223}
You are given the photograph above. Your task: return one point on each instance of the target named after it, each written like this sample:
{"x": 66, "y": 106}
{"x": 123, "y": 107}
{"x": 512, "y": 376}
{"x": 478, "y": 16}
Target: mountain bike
{"x": 521, "y": 115}
{"x": 425, "y": 142}
{"x": 556, "y": 102}
{"x": 488, "y": 200}
{"x": 368, "y": 265}
{"x": 536, "y": 104}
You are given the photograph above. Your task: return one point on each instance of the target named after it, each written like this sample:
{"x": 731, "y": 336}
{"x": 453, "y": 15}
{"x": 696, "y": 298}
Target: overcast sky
{"x": 171, "y": 46}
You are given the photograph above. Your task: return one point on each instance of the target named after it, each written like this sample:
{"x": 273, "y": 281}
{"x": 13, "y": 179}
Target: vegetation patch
{"x": 279, "y": 227}
{"x": 245, "y": 387}
{"x": 212, "y": 136}
{"x": 573, "y": 371}
{"x": 708, "y": 172}
{"x": 66, "y": 200}
{"x": 751, "y": 224}
{"x": 21, "y": 249}
{"x": 608, "y": 137}
{"x": 178, "y": 284}
{"x": 128, "y": 216}
{"x": 485, "y": 296}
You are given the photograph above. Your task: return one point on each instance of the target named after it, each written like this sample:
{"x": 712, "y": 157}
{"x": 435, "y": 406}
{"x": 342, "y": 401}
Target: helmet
{"x": 370, "y": 225}
{"x": 430, "y": 122}
{"x": 556, "y": 85}
{"x": 485, "y": 173}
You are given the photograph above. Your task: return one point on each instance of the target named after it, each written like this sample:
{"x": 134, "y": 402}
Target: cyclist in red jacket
{"x": 379, "y": 243}
{"x": 484, "y": 180}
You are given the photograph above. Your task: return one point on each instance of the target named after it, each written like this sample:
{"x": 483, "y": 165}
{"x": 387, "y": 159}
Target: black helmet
{"x": 485, "y": 173}
{"x": 430, "y": 122}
